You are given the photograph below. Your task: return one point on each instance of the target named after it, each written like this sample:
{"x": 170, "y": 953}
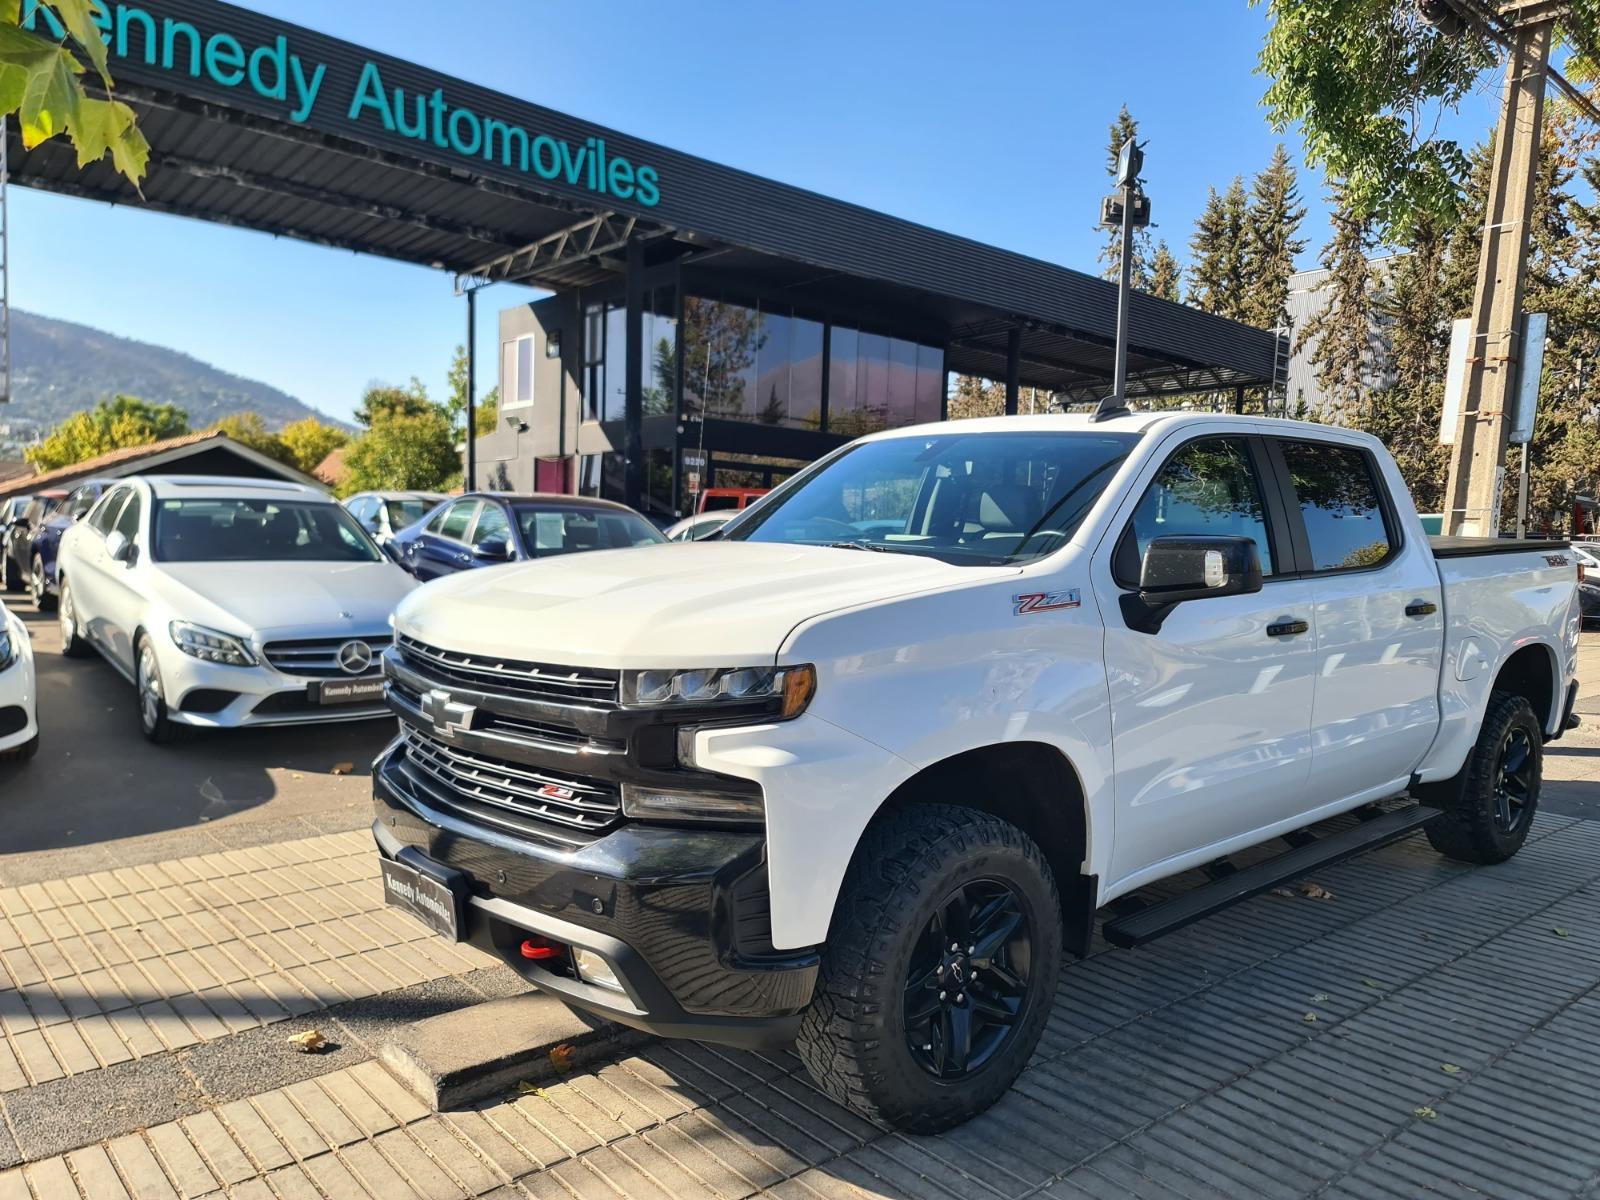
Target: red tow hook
{"x": 538, "y": 948}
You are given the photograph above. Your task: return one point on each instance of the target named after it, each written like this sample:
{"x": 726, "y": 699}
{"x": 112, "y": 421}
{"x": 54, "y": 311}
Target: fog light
{"x": 593, "y": 969}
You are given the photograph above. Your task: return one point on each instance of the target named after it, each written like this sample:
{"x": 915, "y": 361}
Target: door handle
{"x": 463, "y": 557}
{"x": 1422, "y": 608}
{"x": 1286, "y": 628}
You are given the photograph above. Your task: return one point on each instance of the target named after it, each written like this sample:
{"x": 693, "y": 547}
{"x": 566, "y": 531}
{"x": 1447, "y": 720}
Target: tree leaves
{"x": 41, "y": 83}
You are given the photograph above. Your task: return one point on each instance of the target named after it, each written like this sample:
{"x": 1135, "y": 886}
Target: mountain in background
{"x": 59, "y": 367}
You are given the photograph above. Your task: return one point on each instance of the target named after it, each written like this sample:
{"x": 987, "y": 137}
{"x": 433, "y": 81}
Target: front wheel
{"x": 153, "y": 720}
{"x": 939, "y": 970}
{"x": 39, "y": 586}
{"x": 22, "y": 753}
{"x": 1489, "y": 807}
{"x": 14, "y": 582}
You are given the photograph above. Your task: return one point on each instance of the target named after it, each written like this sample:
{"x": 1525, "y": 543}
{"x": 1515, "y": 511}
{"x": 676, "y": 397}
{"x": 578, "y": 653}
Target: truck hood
{"x": 312, "y": 599}
{"x": 694, "y": 604}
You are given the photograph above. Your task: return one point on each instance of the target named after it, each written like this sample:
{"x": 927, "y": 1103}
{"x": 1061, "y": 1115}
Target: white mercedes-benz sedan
{"x": 19, "y": 720}
{"x": 230, "y": 602}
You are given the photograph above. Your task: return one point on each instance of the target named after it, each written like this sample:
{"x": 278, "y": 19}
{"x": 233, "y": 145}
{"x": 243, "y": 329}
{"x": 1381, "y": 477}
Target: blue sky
{"x": 988, "y": 121}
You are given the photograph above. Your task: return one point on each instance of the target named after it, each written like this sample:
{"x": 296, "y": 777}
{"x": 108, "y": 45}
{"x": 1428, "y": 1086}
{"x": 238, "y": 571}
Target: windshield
{"x": 406, "y": 512}
{"x": 549, "y": 529}
{"x": 966, "y": 498}
{"x": 258, "y": 530}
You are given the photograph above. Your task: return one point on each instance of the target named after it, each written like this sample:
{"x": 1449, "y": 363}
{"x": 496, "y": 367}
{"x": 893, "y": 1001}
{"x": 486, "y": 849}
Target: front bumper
{"x": 216, "y": 696}
{"x": 19, "y": 720}
{"x": 680, "y": 915}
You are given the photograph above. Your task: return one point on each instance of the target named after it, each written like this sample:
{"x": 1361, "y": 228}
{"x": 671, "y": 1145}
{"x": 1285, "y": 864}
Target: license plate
{"x": 347, "y": 691}
{"x": 425, "y": 898}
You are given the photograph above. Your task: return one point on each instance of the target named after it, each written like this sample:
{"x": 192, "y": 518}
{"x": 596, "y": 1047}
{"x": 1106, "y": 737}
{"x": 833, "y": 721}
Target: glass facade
{"x": 877, "y": 382}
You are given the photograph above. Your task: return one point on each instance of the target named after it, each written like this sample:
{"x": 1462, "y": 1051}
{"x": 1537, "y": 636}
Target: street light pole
{"x": 1128, "y": 208}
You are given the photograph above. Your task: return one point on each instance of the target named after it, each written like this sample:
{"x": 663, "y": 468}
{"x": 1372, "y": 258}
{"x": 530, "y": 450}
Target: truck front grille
{"x": 535, "y": 681}
{"x": 526, "y": 791}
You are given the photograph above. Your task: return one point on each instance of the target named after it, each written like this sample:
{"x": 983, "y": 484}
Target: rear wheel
{"x": 1489, "y": 807}
{"x": 939, "y": 969}
{"x": 39, "y": 588}
{"x": 73, "y": 643}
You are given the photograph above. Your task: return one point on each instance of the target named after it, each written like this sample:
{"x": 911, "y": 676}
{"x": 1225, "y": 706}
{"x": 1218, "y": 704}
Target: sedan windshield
{"x": 966, "y": 498}
{"x": 259, "y": 530}
{"x": 549, "y": 529}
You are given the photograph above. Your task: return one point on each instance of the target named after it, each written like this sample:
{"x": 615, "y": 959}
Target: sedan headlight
{"x": 10, "y": 648}
{"x": 209, "y": 645}
{"x": 791, "y": 687}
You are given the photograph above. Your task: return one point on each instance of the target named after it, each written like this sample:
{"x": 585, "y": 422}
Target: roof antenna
{"x": 1129, "y": 208}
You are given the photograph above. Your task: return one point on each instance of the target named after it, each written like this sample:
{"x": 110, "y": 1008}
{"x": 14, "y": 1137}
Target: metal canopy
{"x": 339, "y": 178}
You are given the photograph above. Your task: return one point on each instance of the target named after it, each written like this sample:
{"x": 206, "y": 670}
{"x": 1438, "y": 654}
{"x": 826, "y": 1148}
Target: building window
{"x": 878, "y": 382}
{"x": 746, "y": 364}
{"x": 516, "y": 371}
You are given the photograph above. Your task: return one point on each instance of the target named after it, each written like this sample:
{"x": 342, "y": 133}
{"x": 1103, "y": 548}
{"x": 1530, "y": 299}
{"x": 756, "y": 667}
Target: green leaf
{"x": 1558, "y": 931}
{"x": 1372, "y": 983}
{"x": 1450, "y": 1068}
{"x": 78, "y": 17}
{"x": 1425, "y": 1112}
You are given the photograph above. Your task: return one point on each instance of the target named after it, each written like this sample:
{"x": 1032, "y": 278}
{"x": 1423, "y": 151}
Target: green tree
{"x": 1165, "y": 276}
{"x": 488, "y": 412}
{"x": 1367, "y": 82}
{"x": 403, "y": 451}
{"x": 43, "y": 49}
{"x": 1218, "y": 251}
{"x": 110, "y": 425}
{"x": 1121, "y": 129}
{"x": 249, "y": 429}
{"x": 411, "y": 400}
{"x": 309, "y": 441}
{"x": 1272, "y": 243}
{"x": 1340, "y": 337}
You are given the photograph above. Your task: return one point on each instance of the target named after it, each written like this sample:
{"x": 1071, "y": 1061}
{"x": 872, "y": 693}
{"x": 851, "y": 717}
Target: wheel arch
{"x": 1034, "y": 786}
{"x": 1531, "y": 672}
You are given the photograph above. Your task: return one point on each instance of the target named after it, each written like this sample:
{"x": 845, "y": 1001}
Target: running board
{"x": 1147, "y": 924}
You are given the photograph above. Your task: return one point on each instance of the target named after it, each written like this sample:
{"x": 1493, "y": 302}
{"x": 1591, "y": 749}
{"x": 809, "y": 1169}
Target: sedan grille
{"x": 531, "y": 792}
{"x": 319, "y": 658}
{"x": 536, "y": 681}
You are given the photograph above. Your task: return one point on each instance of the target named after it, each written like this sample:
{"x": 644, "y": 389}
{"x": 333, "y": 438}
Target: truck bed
{"x": 1468, "y": 547}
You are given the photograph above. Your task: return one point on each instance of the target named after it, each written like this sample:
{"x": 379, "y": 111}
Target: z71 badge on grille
{"x": 1032, "y": 602}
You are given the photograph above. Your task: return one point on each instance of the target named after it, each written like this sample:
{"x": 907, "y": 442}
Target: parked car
{"x": 19, "y": 717}
{"x": 230, "y": 602}
{"x": 485, "y": 529}
{"x": 854, "y": 775}
{"x": 384, "y": 514}
{"x": 699, "y": 526}
{"x": 46, "y": 539}
{"x": 17, "y": 531}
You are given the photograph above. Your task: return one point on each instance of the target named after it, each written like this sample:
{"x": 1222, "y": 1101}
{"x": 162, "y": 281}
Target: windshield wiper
{"x": 878, "y": 547}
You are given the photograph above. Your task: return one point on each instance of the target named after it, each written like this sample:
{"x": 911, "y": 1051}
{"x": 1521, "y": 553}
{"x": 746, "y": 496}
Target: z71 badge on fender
{"x": 1033, "y": 602}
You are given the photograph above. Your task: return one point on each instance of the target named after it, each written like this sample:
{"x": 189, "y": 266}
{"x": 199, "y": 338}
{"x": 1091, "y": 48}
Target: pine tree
{"x": 1217, "y": 253}
{"x": 1121, "y": 129}
{"x": 1272, "y": 243}
{"x": 1340, "y": 337}
{"x": 1166, "y": 276}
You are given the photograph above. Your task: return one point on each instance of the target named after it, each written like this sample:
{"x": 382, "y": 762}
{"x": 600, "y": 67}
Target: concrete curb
{"x": 486, "y": 1049}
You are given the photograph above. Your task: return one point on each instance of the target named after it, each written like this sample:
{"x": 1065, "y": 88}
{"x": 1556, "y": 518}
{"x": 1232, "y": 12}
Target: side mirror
{"x": 1189, "y": 567}
{"x": 119, "y": 547}
{"x": 494, "y": 546}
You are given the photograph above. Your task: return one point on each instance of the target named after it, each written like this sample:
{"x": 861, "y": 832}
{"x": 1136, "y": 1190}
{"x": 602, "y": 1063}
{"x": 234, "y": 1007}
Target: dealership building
{"x": 703, "y": 325}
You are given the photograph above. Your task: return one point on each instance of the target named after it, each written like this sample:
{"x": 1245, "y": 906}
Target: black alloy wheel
{"x": 1514, "y": 781}
{"x": 968, "y": 985}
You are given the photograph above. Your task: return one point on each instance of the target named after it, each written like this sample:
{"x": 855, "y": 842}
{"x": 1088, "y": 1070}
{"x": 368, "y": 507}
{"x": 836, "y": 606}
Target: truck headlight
{"x": 209, "y": 645}
{"x": 644, "y": 803}
{"x": 792, "y": 687}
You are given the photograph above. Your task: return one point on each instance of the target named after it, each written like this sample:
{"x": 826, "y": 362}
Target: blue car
{"x": 483, "y": 529}
{"x": 46, "y": 538}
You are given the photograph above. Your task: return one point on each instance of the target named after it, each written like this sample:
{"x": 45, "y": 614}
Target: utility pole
{"x": 1477, "y": 459}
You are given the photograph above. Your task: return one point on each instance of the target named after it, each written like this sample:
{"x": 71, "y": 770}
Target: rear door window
{"x": 1346, "y": 526}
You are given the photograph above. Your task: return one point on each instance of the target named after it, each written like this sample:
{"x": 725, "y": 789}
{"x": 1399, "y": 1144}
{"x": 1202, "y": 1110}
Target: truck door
{"x": 1211, "y": 714}
{"x": 1379, "y": 620}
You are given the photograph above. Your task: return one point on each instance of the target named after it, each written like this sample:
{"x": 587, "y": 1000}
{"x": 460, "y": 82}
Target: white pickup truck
{"x": 854, "y": 774}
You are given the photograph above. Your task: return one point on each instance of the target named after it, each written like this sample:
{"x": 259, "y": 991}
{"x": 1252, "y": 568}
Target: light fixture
{"x": 592, "y": 968}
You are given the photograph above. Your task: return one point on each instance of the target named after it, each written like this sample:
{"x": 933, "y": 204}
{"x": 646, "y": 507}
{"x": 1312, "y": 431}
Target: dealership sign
{"x": 273, "y": 71}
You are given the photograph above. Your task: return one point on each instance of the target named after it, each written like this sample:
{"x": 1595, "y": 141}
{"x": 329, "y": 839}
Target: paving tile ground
{"x": 1432, "y": 1029}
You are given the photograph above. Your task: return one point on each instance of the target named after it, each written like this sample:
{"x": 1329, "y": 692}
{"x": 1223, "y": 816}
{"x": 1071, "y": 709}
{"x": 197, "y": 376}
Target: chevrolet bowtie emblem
{"x": 445, "y": 715}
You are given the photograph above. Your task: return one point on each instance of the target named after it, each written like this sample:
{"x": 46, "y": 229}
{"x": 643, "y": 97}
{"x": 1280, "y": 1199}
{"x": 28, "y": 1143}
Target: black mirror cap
{"x": 1198, "y": 566}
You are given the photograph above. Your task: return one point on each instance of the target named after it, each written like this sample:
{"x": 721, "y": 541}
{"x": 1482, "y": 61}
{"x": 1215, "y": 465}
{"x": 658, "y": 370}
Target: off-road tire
{"x": 20, "y": 754}
{"x": 852, "y": 1037}
{"x": 73, "y": 643}
{"x": 1469, "y": 830}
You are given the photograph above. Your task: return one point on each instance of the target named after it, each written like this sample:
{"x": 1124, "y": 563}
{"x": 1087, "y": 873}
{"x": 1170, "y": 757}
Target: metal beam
{"x": 588, "y": 240}
{"x": 1013, "y": 368}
